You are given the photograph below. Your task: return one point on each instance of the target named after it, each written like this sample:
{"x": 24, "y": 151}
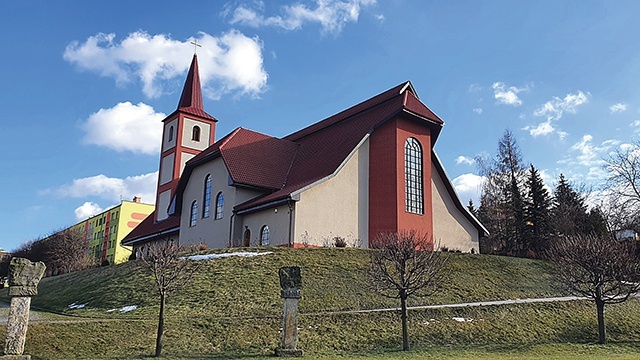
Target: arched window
{"x": 206, "y": 209}
{"x": 194, "y": 214}
{"x": 219, "y": 205}
{"x": 195, "y": 134}
{"x": 264, "y": 236}
{"x": 170, "y": 133}
{"x": 413, "y": 176}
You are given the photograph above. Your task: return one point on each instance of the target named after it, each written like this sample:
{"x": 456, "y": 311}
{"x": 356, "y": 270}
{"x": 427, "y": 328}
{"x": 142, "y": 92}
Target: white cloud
{"x": 589, "y": 155}
{"x": 230, "y": 63}
{"x": 331, "y": 15}
{"x": 474, "y": 88}
{"x": 125, "y": 127}
{"x": 544, "y": 128}
{"x": 619, "y": 107}
{"x": 555, "y": 108}
{"x": 465, "y": 160}
{"x": 87, "y": 210}
{"x": 507, "y": 95}
{"x": 469, "y": 187}
{"x": 477, "y": 110}
{"x": 111, "y": 189}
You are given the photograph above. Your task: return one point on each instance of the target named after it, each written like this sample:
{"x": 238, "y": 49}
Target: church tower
{"x": 187, "y": 131}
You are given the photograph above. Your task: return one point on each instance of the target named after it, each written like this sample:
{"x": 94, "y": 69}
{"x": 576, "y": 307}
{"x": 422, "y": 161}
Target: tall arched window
{"x": 413, "y": 176}
{"x": 194, "y": 214}
{"x": 206, "y": 209}
{"x": 219, "y": 205}
{"x": 264, "y": 236}
{"x": 170, "y": 133}
{"x": 195, "y": 134}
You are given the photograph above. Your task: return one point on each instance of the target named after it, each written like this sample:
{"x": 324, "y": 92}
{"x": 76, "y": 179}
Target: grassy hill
{"x": 233, "y": 307}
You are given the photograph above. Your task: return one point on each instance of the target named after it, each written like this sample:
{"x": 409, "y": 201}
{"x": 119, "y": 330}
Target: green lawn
{"x": 232, "y": 309}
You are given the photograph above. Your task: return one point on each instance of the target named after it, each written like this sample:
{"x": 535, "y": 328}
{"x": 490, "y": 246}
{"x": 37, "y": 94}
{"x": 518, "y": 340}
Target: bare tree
{"x": 171, "y": 271}
{"x": 600, "y": 268}
{"x": 622, "y": 188}
{"x": 404, "y": 264}
{"x": 67, "y": 251}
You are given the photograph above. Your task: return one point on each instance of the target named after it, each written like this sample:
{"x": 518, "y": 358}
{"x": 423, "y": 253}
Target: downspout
{"x": 231, "y": 229}
{"x": 290, "y": 223}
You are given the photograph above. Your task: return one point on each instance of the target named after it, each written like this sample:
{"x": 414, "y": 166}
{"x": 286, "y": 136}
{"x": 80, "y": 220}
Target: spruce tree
{"x": 538, "y": 206}
{"x": 569, "y": 212}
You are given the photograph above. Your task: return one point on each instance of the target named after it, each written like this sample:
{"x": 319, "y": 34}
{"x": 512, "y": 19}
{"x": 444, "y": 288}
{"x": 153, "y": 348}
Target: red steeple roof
{"x": 191, "y": 98}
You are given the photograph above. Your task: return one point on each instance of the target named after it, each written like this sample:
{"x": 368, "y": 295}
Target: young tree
{"x": 402, "y": 265}
{"x": 537, "y": 209}
{"x": 600, "y": 268}
{"x": 501, "y": 203}
{"x": 569, "y": 212}
{"x": 171, "y": 272}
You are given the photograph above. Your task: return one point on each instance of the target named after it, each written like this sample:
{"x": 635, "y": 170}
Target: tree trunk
{"x": 602, "y": 334}
{"x": 405, "y": 331}
{"x": 160, "y": 326}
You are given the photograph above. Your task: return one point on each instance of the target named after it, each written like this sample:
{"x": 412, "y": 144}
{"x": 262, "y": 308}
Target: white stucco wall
{"x": 187, "y": 131}
{"x": 166, "y": 169}
{"x": 214, "y": 233}
{"x": 338, "y": 206}
{"x": 276, "y": 218}
{"x": 451, "y": 229}
{"x": 163, "y": 204}
{"x": 166, "y": 144}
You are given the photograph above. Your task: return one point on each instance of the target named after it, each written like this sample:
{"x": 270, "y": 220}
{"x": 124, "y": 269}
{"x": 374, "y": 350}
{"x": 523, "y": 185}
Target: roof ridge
{"x": 345, "y": 114}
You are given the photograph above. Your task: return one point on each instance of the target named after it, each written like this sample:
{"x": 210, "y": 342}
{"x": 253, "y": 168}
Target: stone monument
{"x": 291, "y": 283}
{"x": 24, "y": 277}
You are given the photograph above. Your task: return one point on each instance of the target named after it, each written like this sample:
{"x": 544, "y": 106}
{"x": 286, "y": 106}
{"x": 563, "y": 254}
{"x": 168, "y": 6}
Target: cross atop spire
{"x": 195, "y": 46}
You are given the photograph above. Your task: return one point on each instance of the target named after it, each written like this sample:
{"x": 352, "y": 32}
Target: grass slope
{"x": 232, "y": 308}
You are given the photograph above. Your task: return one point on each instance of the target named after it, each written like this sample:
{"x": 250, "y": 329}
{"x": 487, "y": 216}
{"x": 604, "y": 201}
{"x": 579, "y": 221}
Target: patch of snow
{"x": 459, "y": 319}
{"x": 128, "y": 308}
{"x": 77, "y": 306}
{"x": 225, "y": 255}
{"x": 111, "y": 310}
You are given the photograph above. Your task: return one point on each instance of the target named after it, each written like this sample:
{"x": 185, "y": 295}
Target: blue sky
{"x": 85, "y": 85}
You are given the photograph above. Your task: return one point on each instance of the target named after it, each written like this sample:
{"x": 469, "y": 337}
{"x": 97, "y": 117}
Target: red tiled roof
{"x": 148, "y": 229}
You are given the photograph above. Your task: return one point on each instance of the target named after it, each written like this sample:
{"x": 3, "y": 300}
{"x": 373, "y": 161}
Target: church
{"x": 367, "y": 170}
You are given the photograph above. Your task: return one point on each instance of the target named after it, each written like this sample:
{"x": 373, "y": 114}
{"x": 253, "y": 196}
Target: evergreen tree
{"x": 538, "y": 207}
{"x": 569, "y": 212}
{"x": 472, "y": 209}
{"x": 502, "y": 204}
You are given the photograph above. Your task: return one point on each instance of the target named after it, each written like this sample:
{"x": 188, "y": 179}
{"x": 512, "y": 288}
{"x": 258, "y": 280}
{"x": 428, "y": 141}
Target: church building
{"x": 367, "y": 170}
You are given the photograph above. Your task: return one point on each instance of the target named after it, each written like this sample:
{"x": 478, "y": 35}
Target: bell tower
{"x": 187, "y": 131}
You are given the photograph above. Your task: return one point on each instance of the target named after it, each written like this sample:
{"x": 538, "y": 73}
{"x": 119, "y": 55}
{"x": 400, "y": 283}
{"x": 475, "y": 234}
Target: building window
{"x": 413, "y": 176}
{"x": 219, "y": 205}
{"x": 264, "y": 236}
{"x": 194, "y": 214}
{"x": 195, "y": 134}
{"x": 171, "y": 133}
{"x": 206, "y": 209}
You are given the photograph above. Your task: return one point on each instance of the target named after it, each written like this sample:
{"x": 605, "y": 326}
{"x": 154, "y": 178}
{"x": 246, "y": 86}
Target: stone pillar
{"x": 24, "y": 277}
{"x": 291, "y": 283}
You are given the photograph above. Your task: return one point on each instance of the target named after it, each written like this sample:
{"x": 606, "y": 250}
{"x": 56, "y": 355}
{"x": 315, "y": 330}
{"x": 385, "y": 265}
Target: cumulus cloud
{"x": 111, "y": 189}
{"x": 229, "y": 63}
{"x": 619, "y": 107}
{"x": 87, "y": 210}
{"x": 586, "y": 154}
{"x": 507, "y": 95}
{"x": 469, "y": 187}
{"x": 331, "y": 15}
{"x": 125, "y": 127}
{"x": 465, "y": 160}
{"x": 553, "y": 111}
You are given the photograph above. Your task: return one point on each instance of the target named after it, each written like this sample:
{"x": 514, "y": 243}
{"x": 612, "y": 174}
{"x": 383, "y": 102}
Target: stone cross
{"x": 291, "y": 283}
{"x": 24, "y": 277}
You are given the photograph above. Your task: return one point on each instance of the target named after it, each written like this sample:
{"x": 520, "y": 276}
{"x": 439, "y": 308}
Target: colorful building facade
{"x": 104, "y": 232}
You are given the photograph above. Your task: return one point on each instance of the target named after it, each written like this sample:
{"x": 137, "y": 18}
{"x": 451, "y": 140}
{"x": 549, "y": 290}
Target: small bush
{"x": 339, "y": 242}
